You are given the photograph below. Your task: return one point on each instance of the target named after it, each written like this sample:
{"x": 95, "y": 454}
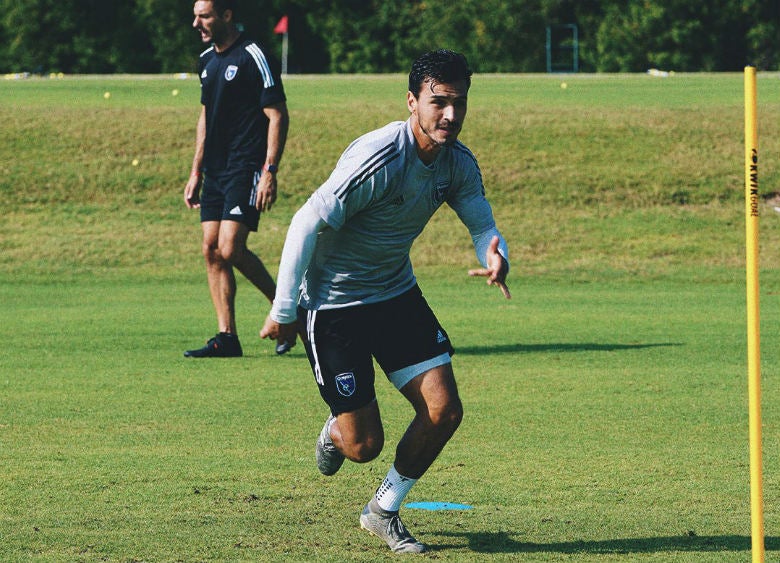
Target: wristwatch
{"x": 272, "y": 168}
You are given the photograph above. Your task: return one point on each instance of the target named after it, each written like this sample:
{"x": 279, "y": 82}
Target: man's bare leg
{"x": 221, "y": 279}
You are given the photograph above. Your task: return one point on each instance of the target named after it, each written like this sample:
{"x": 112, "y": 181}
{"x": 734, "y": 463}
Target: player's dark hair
{"x": 438, "y": 67}
{"x": 221, "y": 5}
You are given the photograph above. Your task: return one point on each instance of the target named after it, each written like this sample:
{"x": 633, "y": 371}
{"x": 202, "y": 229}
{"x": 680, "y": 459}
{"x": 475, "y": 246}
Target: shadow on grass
{"x": 557, "y": 347}
{"x": 501, "y": 542}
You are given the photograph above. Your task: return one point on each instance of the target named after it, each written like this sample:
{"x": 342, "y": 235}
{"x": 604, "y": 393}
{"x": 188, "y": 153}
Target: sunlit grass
{"x": 605, "y": 404}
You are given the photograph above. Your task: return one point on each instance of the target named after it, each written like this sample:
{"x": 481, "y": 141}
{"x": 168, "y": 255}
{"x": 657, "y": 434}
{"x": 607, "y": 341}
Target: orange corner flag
{"x": 281, "y": 27}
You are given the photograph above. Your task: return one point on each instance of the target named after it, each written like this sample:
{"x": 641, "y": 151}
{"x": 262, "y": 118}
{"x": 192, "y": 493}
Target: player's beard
{"x": 439, "y": 138}
{"x": 215, "y": 34}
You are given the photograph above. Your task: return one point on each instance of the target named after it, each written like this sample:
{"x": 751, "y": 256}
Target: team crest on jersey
{"x": 440, "y": 192}
{"x": 345, "y": 383}
{"x": 231, "y": 72}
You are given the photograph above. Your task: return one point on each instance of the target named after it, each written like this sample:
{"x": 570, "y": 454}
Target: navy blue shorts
{"x": 402, "y": 334}
{"x": 230, "y": 196}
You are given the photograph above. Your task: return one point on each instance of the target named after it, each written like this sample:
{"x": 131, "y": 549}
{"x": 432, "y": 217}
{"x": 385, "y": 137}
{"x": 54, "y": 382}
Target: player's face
{"x": 212, "y": 27}
{"x": 437, "y": 116}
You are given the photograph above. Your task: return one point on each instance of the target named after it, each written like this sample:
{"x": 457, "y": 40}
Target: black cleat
{"x": 223, "y": 345}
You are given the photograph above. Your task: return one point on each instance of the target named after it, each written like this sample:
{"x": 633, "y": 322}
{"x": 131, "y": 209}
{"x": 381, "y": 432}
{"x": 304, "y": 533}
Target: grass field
{"x": 606, "y": 404}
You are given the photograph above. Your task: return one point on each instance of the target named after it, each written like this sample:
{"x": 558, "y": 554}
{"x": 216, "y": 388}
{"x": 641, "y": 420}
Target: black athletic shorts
{"x": 402, "y": 334}
{"x": 230, "y": 196}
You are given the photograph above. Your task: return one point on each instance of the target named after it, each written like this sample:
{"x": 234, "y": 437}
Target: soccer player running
{"x": 347, "y": 249}
{"x": 239, "y": 140}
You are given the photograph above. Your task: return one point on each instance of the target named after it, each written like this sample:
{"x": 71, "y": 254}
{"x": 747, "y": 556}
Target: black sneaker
{"x": 223, "y": 345}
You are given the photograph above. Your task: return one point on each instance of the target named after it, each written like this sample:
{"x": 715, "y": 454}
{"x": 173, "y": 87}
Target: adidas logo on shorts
{"x": 440, "y": 337}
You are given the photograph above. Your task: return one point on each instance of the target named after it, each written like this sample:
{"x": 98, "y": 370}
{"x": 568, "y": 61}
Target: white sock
{"x": 393, "y": 490}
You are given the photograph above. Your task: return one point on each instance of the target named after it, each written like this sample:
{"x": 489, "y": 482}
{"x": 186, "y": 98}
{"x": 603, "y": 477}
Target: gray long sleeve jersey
{"x": 349, "y": 243}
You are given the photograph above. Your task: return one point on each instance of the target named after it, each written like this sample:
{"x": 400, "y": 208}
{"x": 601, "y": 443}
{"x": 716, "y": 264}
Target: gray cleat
{"x": 388, "y": 526}
{"x": 329, "y": 459}
{"x": 284, "y": 347}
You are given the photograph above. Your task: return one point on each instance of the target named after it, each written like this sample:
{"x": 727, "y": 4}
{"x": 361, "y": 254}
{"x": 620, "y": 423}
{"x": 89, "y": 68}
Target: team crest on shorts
{"x": 440, "y": 192}
{"x": 345, "y": 383}
{"x": 231, "y": 72}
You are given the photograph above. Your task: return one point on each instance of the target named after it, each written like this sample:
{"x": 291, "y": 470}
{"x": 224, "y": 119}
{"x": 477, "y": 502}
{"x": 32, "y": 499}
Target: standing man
{"x": 347, "y": 249}
{"x": 239, "y": 142}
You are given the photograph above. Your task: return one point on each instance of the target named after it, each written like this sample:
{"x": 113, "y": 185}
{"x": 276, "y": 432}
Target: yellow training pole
{"x": 754, "y": 353}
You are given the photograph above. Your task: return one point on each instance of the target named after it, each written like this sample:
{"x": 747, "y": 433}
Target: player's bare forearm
{"x": 192, "y": 189}
{"x": 278, "y": 125}
{"x": 200, "y": 141}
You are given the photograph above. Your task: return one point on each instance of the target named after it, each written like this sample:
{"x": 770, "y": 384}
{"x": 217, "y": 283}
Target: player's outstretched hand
{"x": 497, "y": 269}
{"x": 277, "y": 331}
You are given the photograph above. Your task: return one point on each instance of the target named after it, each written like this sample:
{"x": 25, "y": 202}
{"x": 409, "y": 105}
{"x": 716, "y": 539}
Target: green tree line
{"x": 362, "y": 36}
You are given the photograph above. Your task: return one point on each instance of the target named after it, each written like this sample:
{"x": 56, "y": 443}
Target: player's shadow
{"x": 501, "y": 542}
{"x": 559, "y": 347}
